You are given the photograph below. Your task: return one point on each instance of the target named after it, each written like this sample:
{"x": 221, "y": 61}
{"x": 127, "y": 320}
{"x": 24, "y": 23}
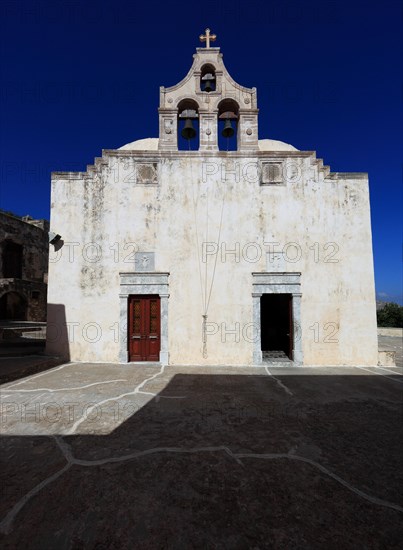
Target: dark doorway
{"x": 276, "y": 325}
{"x": 144, "y": 328}
{"x": 12, "y": 260}
{"x": 13, "y": 307}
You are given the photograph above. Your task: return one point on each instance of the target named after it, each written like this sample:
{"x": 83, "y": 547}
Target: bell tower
{"x": 211, "y": 100}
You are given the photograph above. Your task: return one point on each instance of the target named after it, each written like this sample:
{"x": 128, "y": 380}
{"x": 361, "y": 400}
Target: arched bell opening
{"x": 228, "y": 116}
{"x": 208, "y": 79}
{"x": 188, "y": 125}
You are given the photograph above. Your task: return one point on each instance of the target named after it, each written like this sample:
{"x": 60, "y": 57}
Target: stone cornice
{"x": 348, "y": 175}
{"x": 248, "y": 155}
{"x": 206, "y": 154}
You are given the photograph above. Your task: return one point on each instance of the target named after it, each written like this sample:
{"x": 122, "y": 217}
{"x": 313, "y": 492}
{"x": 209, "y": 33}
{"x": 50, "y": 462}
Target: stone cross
{"x": 207, "y": 37}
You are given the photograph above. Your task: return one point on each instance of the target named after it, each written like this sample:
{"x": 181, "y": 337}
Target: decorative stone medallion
{"x": 168, "y": 126}
{"x": 147, "y": 172}
{"x": 144, "y": 261}
{"x": 271, "y": 173}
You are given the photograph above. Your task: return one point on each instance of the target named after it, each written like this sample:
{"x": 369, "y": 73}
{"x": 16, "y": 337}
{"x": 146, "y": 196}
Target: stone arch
{"x": 228, "y": 104}
{"x": 13, "y": 306}
{"x": 187, "y": 102}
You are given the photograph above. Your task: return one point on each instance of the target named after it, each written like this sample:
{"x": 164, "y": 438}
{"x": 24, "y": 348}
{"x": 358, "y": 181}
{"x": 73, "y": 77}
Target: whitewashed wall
{"x": 173, "y": 218}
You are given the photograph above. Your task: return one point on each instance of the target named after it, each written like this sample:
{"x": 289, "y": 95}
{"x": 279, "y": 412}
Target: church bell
{"x": 188, "y": 132}
{"x": 228, "y": 130}
{"x": 208, "y": 80}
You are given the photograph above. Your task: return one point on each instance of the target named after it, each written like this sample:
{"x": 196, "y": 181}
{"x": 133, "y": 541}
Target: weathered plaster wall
{"x": 201, "y": 199}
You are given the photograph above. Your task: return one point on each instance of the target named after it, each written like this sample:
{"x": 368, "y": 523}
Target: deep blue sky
{"x": 328, "y": 75}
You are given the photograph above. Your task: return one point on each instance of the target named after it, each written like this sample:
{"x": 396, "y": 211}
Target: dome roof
{"x": 275, "y": 145}
{"x": 147, "y": 144}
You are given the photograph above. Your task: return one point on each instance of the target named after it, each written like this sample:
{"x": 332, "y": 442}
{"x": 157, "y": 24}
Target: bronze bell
{"x": 208, "y": 80}
{"x": 228, "y": 130}
{"x": 188, "y": 132}
{"x": 208, "y": 87}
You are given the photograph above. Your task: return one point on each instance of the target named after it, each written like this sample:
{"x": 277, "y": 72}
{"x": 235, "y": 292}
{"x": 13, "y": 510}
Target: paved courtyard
{"x": 138, "y": 456}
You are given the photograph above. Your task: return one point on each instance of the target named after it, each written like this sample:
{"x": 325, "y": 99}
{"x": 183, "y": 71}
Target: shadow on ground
{"x": 20, "y": 366}
{"x": 176, "y": 472}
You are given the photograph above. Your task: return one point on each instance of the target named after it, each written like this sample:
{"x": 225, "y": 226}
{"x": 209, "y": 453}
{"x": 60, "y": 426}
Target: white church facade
{"x": 198, "y": 249}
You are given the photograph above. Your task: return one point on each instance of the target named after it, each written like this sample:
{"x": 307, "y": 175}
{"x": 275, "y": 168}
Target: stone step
{"x": 276, "y": 364}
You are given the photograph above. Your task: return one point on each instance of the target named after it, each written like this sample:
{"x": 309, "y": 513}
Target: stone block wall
{"x": 23, "y": 291}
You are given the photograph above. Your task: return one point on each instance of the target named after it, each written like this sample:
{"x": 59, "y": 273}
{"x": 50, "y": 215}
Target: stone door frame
{"x": 143, "y": 283}
{"x": 278, "y": 283}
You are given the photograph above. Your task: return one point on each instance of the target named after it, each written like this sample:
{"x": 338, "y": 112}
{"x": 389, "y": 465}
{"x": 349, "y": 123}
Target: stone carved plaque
{"x": 168, "y": 125}
{"x": 144, "y": 261}
{"x": 271, "y": 173}
{"x": 275, "y": 261}
{"x": 147, "y": 172}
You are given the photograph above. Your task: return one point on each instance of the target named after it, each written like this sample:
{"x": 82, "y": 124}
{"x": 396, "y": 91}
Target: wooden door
{"x": 144, "y": 328}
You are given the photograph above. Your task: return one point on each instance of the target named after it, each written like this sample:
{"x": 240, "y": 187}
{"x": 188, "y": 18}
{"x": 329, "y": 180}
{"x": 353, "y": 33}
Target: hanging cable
{"x": 206, "y": 288}
{"x": 202, "y": 291}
